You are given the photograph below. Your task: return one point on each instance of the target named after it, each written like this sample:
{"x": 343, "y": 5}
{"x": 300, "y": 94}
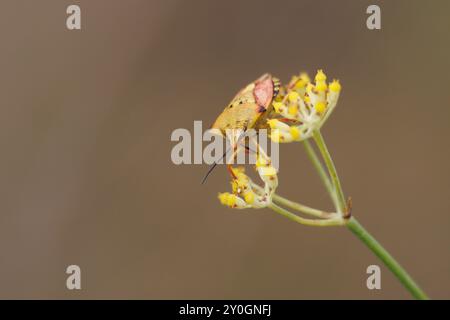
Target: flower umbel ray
{"x": 247, "y": 194}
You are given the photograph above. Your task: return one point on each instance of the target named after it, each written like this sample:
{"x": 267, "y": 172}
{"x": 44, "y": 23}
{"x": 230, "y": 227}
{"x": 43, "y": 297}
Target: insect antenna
{"x": 214, "y": 165}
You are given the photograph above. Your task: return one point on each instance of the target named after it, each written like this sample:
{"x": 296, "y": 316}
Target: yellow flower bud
{"x": 300, "y": 84}
{"x": 320, "y": 76}
{"x": 227, "y": 199}
{"x": 321, "y": 86}
{"x": 293, "y": 109}
{"x": 335, "y": 86}
{"x": 295, "y": 132}
{"x": 293, "y": 96}
{"x": 249, "y": 197}
{"x": 307, "y": 99}
{"x": 320, "y": 107}
{"x": 305, "y": 77}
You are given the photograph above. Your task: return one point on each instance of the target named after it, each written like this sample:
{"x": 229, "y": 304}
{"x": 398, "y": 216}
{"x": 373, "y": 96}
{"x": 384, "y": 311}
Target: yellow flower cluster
{"x": 248, "y": 195}
{"x": 303, "y": 106}
{"x": 299, "y": 108}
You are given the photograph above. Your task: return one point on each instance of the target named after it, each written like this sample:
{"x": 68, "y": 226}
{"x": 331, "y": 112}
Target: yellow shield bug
{"x": 249, "y": 109}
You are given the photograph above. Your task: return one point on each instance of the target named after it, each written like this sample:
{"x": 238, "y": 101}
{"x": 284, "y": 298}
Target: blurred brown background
{"x": 86, "y": 175}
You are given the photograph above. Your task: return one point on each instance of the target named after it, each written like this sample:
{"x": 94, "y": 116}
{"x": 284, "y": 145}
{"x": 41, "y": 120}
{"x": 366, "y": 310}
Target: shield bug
{"x": 249, "y": 109}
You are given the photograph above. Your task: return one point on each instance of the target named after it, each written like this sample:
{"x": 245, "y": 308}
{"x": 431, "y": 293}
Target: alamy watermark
{"x": 373, "y": 21}
{"x": 73, "y": 281}
{"x": 374, "y": 279}
{"x": 73, "y": 21}
{"x": 234, "y": 146}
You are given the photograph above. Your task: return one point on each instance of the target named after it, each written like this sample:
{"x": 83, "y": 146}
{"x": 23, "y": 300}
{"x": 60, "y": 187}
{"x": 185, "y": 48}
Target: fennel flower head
{"x": 304, "y": 107}
{"x": 299, "y": 108}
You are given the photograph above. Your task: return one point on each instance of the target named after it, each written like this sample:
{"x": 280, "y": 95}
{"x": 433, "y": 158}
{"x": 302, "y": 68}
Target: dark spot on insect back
{"x": 261, "y": 109}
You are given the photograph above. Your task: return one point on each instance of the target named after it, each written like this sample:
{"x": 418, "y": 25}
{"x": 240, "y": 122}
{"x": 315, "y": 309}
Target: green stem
{"x": 298, "y": 206}
{"x": 358, "y": 229}
{"x": 338, "y": 221}
{"x": 312, "y": 155}
{"x": 387, "y": 259}
{"x": 331, "y": 169}
{"x": 302, "y": 208}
